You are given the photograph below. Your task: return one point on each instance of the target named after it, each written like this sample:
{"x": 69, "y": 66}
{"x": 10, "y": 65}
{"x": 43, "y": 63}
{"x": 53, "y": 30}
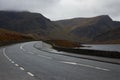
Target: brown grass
{"x": 6, "y": 36}
{"x": 63, "y": 43}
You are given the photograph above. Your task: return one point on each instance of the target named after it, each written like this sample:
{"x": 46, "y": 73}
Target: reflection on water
{"x": 108, "y": 47}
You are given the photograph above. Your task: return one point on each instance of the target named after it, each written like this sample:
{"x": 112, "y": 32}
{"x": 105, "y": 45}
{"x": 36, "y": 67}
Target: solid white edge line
{"x": 30, "y": 73}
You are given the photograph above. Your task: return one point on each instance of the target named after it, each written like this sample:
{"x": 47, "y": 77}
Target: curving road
{"x": 24, "y": 62}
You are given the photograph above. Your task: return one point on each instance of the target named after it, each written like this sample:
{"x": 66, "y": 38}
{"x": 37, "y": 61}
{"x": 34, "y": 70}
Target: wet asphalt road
{"x": 24, "y": 62}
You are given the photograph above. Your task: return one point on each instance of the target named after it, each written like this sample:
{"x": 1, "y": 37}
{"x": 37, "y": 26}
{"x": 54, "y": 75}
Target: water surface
{"x": 105, "y": 47}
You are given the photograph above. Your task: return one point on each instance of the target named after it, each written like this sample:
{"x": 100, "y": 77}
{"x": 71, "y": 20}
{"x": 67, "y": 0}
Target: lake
{"x": 105, "y": 47}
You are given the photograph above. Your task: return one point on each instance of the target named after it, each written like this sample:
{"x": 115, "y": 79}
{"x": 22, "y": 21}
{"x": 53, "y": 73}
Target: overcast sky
{"x": 65, "y": 9}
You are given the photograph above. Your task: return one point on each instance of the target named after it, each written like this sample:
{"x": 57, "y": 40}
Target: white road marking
{"x": 55, "y": 51}
{"x": 22, "y": 68}
{"x": 31, "y": 52}
{"x": 4, "y": 53}
{"x": 45, "y": 56}
{"x": 12, "y": 62}
{"x": 30, "y": 73}
{"x": 102, "y": 69}
{"x": 21, "y": 47}
{"x": 16, "y": 65}
{"x": 73, "y": 63}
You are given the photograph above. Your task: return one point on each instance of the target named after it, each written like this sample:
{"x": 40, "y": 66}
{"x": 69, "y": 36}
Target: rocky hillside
{"x": 88, "y": 30}
{"x": 99, "y": 29}
{"x": 27, "y": 22}
{"x": 112, "y": 36}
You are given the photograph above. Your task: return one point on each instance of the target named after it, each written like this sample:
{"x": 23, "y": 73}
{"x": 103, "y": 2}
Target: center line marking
{"x": 12, "y": 62}
{"x": 21, "y": 68}
{"x": 69, "y": 62}
{"x": 4, "y": 53}
{"x": 16, "y": 65}
{"x": 73, "y": 63}
{"x": 30, "y": 74}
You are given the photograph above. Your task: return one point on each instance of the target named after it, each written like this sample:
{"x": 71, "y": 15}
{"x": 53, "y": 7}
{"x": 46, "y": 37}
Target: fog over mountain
{"x": 63, "y": 9}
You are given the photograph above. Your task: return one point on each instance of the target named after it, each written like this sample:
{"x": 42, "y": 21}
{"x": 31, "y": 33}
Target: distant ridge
{"x": 99, "y": 29}
{"x": 87, "y": 30}
{"x": 24, "y": 21}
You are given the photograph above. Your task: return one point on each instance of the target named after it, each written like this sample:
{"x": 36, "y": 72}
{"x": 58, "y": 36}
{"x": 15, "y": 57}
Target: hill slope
{"x": 85, "y": 30}
{"x": 88, "y": 29}
{"x": 112, "y": 36}
{"x": 27, "y": 22}
{"x": 10, "y": 36}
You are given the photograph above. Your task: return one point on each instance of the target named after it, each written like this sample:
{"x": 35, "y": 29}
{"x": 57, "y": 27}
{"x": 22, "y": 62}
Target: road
{"x": 24, "y": 62}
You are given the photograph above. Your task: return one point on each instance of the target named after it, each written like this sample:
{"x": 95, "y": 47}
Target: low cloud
{"x": 62, "y": 9}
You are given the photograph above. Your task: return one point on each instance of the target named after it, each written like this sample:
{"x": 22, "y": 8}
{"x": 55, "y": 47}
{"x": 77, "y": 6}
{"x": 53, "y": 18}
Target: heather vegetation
{"x": 63, "y": 43}
{"x": 8, "y": 37}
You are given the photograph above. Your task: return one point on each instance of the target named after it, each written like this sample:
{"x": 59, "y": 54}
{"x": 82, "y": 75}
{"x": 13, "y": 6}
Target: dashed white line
{"x": 30, "y": 73}
{"x": 12, "y": 62}
{"x": 73, "y": 63}
{"x": 4, "y": 53}
{"x": 99, "y": 68}
{"x": 22, "y": 68}
{"x": 102, "y": 69}
{"x": 16, "y": 65}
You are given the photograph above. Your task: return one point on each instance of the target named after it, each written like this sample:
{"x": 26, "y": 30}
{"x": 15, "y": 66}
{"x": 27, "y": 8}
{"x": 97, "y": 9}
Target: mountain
{"x": 112, "y": 36}
{"x": 27, "y": 22}
{"x": 88, "y": 30}
{"x": 99, "y": 29}
{"x": 33, "y": 24}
